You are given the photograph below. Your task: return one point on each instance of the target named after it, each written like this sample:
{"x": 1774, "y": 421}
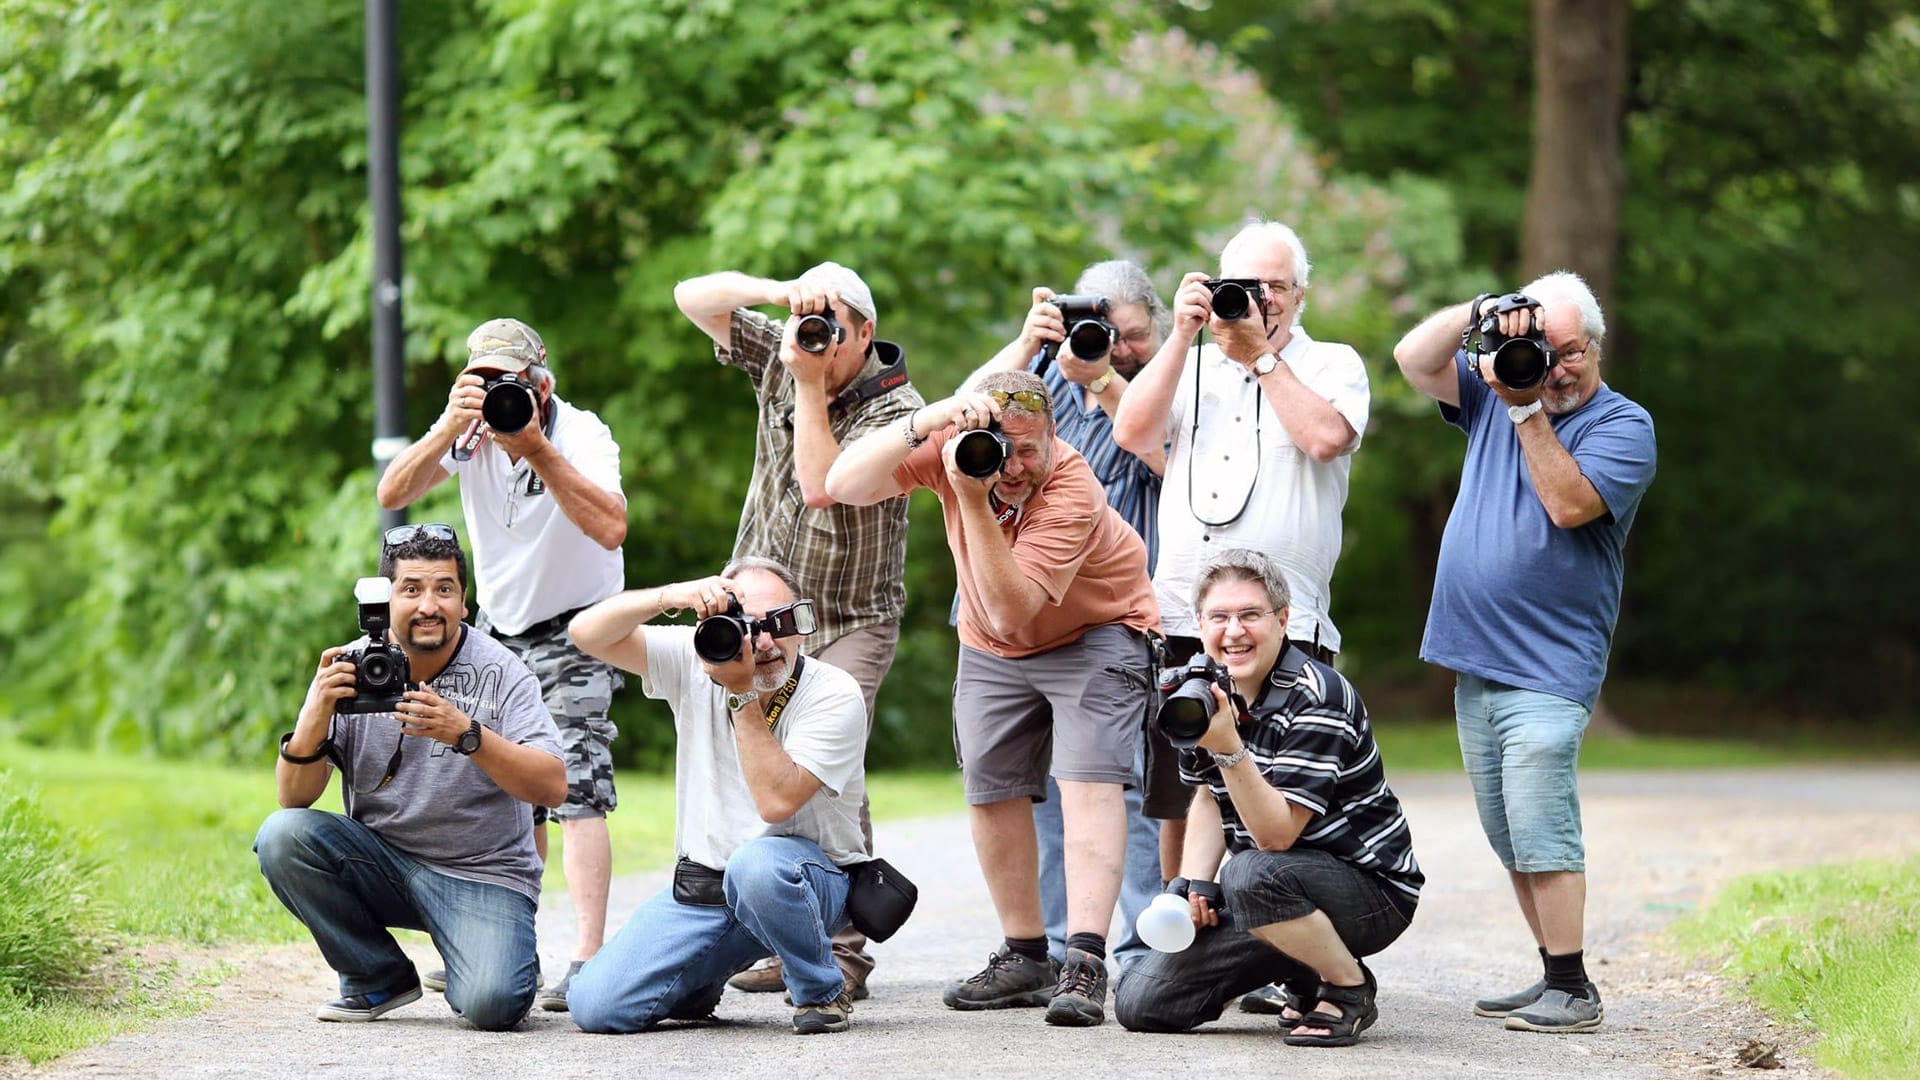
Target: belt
{"x": 545, "y": 626}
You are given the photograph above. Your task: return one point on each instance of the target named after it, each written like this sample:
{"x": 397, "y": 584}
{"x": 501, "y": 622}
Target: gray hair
{"x": 1567, "y": 287}
{"x": 765, "y": 566}
{"x": 1124, "y": 282}
{"x": 1272, "y": 232}
{"x": 1243, "y": 564}
{"x": 1012, "y": 382}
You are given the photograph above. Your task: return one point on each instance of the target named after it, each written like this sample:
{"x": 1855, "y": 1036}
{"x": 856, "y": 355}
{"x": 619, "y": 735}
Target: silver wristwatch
{"x": 906, "y": 430}
{"x": 1228, "y": 761}
{"x": 1519, "y": 413}
{"x": 1265, "y": 364}
{"x": 736, "y": 702}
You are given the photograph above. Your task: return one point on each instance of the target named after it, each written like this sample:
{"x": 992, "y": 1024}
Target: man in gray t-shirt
{"x": 438, "y": 788}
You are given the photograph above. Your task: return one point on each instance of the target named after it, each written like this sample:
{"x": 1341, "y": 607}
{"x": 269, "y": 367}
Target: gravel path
{"x": 1659, "y": 843}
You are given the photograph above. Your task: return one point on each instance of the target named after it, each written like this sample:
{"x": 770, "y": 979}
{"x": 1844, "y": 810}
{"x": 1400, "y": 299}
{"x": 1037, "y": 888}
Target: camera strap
{"x": 785, "y": 694}
{"x": 893, "y": 374}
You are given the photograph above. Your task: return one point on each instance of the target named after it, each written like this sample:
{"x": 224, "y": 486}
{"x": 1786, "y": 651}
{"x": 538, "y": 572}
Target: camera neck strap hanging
{"x": 892, "y": 375}
{"x": 785, "y": 694}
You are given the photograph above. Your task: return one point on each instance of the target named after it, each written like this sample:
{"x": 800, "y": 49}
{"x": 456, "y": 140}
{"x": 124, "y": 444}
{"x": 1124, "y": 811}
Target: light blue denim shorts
{"x": 1521, "y": 749}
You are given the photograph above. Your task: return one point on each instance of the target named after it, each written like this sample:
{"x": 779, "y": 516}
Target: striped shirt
{"x": 1132, "y": 488}
{"x": 1311, "y": 740}
{"x": 850, "y": 560}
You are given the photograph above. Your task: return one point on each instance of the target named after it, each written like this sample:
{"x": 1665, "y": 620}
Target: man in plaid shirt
{"x": 849, "y": 559}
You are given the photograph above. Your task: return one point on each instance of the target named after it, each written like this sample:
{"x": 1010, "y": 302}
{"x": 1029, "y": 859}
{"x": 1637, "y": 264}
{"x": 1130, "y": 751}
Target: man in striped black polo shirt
{"x": 1322, "y": 869}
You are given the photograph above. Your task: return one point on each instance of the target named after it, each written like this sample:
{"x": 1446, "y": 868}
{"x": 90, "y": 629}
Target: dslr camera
{"x": 1236, "y": 298}
{"x": 510, "y": 403}
{"x": 719, "y": 638}
{"x": 1520, "y": 363}
{"x": 980, "y": 452}
{"x": 380, "y": 673}
{"x": 1186, "y": 699}
{"x": 819, "y": 332}
{"x": 1089, "y": 335}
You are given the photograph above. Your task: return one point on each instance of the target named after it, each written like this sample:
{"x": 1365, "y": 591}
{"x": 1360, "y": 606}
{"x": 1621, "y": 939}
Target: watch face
{"x": 469, "y": 741}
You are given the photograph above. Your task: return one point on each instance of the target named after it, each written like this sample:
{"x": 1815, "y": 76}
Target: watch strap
{"x": 906, "y": 430}
{"x": 1228, "y": 761}
{"x": 736, "y": 702}
{"x": 1264, "y": 364}
{"x": 1519, "y": 414}
{"x": 1099, "y": 385}
{"x": 472, "y": 733}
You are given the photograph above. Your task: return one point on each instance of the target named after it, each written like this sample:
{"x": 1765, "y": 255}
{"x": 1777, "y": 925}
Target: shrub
{"x": 53, "y": 930}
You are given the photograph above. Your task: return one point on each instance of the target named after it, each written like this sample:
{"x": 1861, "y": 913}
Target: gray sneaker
{"x": 1010, "y": 981}
{"x": 435, "y": 980}
{"x": 1080, "y": 998}
{"x": 554, "y": 998}
{"x": 1559, "y": 1012}
{"x": 1519, "y": 999}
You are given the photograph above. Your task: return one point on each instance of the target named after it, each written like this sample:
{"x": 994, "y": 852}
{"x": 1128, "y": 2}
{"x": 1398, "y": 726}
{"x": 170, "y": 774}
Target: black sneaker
{"x": 1010, "y": 981}
{"x": 1558, "y": 1012}
{"x": 360, "y": 1008}
{"x": 554, "y": 998}
{"x": 825, "y": 1018}
{"x": 1080, "y": 999}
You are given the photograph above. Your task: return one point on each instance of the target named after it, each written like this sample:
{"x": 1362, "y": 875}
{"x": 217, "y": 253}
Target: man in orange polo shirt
{"x": 1055, "y": 604}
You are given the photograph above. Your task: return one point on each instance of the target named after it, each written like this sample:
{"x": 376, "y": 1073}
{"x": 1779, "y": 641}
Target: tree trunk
{"x": 1572, "y": 216}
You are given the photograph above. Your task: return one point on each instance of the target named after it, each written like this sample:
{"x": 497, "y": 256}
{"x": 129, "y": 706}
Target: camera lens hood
{"x": 508, "y": 406}
{"x": 981, "y": 452}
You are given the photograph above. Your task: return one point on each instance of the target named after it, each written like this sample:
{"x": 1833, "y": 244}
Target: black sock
{"x": 1090, "y": 943}
{"x": 1543, "y": 961}
{"x": 1568, "y": 973}
{"x": 1033, "y": 948}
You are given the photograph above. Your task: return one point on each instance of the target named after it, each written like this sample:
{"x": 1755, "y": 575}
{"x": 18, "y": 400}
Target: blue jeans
{"x": 671, "y": 960}
{"x": 349, "y": 886}
{"x": 1521, "y": 749}
{"x": 1140, "y": 879}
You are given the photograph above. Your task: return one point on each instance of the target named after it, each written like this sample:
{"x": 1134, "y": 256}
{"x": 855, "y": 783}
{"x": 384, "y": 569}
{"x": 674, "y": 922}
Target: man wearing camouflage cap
{"x": 546, "y": 517}
{"x": 850, "y": 559}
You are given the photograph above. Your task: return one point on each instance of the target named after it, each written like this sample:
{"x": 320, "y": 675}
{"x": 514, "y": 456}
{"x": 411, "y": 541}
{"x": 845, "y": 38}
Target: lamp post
{"x": 383, "y": 189}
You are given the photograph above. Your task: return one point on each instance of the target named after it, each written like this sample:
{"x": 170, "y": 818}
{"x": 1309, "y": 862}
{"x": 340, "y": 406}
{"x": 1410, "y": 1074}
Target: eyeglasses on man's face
{"x": 1248, "y": 617}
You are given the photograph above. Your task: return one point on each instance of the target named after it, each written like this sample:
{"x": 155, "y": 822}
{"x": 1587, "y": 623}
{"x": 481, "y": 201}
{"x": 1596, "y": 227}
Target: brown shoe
{"x": 762, "y": 978}
{"x": 825, "y": 1018}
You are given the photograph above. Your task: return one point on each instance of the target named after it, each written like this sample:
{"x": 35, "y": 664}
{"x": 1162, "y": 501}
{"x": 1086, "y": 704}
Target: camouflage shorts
{"x": 578, "y": 691}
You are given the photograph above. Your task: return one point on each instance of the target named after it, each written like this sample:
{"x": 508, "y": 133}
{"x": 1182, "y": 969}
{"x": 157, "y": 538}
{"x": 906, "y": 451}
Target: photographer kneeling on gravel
{"x": 1291, "y": 783}
{"x": 769, "y": 774}
{"x": 443, "y": 744}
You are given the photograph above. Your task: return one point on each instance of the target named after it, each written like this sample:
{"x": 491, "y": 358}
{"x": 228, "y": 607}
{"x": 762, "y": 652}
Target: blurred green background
{"x": 185, "y": 486}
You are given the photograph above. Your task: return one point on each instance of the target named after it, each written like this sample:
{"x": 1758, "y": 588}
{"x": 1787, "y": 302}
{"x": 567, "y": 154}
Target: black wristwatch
{"x": 469, "y": 740}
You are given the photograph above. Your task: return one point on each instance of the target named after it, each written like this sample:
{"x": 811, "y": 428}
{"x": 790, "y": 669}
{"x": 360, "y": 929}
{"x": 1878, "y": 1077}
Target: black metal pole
{"x": 383, "y": 189}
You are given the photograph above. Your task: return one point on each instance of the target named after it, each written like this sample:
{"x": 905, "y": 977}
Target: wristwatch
{"x": 906, "y": 430}
{"x": 1265, "y": 364}
{"x": 469, "y": 740}
{"x": 736, "y": 702}
{"x": 1099, "y": 385}
{"x": 1228, "y": 761}
{"x": 1519, "y": 413}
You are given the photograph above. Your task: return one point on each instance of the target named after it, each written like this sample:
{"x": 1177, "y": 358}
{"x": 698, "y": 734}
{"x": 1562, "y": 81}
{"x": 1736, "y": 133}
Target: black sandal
{"x": 1357, "y": 1014}
{"x": 1296, "y": 997}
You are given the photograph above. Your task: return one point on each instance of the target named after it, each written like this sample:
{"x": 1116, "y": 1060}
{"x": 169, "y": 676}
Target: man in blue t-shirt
{"x": 1524, "y": 603}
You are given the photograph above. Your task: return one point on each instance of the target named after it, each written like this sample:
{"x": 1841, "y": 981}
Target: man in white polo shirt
{"x": 546, "y": 516}
{"x": 1259, "y": 431}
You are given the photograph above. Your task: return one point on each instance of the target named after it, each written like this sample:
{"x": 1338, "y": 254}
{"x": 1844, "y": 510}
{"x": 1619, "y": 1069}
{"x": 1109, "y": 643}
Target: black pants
{"x": 1180, "y": 991}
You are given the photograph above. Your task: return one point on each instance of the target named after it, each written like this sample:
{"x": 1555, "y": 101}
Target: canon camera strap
{"x": 785, "y": 694}
{"x": 891, "y": 376}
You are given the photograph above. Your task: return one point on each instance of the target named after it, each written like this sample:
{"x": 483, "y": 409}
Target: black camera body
{"x": 381, "y": 675}
{"x": 982, "y": 452}
{"x": 718, "y": 639}
{"x": 1186, "y": 699}
{"x": 1236, "y": 298}
{"x": 1090, "y": 335}
{"x": 1520, "y": 363}
{"x": 819, "y": 332}
{"x": 510, "y": 404}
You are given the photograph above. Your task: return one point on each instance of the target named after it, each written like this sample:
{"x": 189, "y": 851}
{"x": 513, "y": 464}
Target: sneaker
{"x": 825, "y": 1018}
{"x": 1558, "y": 1012}
{"x": 762, "y": 978}
{"x": 1010, "y": 981}
{"x": 1519, "y": 999}
{"x": 435, "y": 980}
{"x": 554, "y": 998}
{"x": 360, "y": 1008}
{"x": 1080, "y": 999}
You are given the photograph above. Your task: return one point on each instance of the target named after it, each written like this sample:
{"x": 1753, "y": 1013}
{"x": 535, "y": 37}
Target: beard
{"x": 768, "y": 677}
{"x": 434, "y": 635}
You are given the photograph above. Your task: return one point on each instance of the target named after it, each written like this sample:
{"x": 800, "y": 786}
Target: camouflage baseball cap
{"x": 504, "y": 345}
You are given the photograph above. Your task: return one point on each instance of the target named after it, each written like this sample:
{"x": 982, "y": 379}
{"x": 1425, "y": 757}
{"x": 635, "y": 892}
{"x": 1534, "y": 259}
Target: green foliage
{"x": 186, "y": 255}
{"x": 44, "y": 1027}
{"x": 52, "y": 925}
{"x": 1833, "y": 949}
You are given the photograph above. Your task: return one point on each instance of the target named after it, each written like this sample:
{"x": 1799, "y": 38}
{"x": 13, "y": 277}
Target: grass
{"x": 1834, "y": 949}
{"x": 1431, "y": 746}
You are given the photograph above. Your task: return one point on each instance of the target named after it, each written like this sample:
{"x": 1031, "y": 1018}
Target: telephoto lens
{"x": 1521, "y": 363}
{"x": 508, "y": 406}
{"x": 816, "y": 333}
{"x": 1185, "y": 714}
{"x": 981, "y": 452}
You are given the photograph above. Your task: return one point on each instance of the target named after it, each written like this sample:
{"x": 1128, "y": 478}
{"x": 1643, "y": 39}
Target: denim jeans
{"x": 1180, "y": 991}
{"x": 672, "y": 960}
{"x": 349, "y": 886}
{"x": 1521, "y": 749}
{"x": 1140, "y": 880}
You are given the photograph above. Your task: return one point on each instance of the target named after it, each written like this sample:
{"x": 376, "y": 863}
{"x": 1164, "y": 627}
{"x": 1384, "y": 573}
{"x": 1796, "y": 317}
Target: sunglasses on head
{"x": 400, "y": 534}
{"x": 1026, "y": 399}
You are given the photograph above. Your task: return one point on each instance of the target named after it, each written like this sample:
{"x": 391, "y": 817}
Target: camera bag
{"x": 879, "y": 898}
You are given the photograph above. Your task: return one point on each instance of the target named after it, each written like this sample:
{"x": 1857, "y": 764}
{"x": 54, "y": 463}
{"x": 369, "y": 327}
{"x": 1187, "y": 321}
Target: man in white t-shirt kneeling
{"x": 769, "y": 773}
